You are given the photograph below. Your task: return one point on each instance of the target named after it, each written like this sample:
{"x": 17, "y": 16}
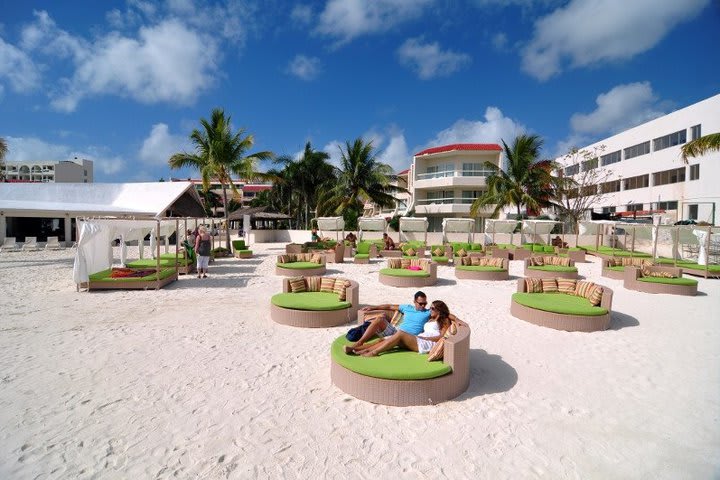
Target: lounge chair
{"x": 303, "y": 304}
{"x": 10, "y": 245}
{"x": 441, "y": 254}
{"x": 659, "y": 279}
{"x": 301, "y": 264}
{"x": 409, "y": 272}
{"x": 105, "y": 280}
{"x": 413, "y": 249}
{"x": 550, "y": 267}
{"x": 615, "y": 267}
{"x": 30, "y": 244}
{"x": 482, "y": 268}
{"x": 364, "y": 251}
{"x": 241, "y": 250}
{"x": 53, "y": 244}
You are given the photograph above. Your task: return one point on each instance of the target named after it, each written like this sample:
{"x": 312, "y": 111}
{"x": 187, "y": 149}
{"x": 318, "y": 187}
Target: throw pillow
{"x": 397, "y": 318}
{"x": 596, "y": 295}
{"x": 313, "y": 284}
{"x": 436, "y": 352}
{"x": 537, "y": 261}
{"x": 297, "y": 285}
{"x": 394, "y": 262}
{"x": 410, "y": 252}
{"x": 462, "y": 252}
{"x": 327, "y": 285}
{"x": 316, "y": 258}
{"x": 533, "y": 285}
{"x": 424, "y": 263}
{"x": 404, "y": 263}
{"x": 497, "y": 262}
{"x": 438, "y": 252}
{"x": 549, "y": 285}
{"x": 566, "y": 285}
{"x": 584, "y": 289}
{"x": 660, "y": 275}
{"x": 476, "y": 261}
{"x": 414, "y": 262}
{"x": 340, "y": 288}
{"x": 645, "y": 271}
{"x": 283, "y": 259}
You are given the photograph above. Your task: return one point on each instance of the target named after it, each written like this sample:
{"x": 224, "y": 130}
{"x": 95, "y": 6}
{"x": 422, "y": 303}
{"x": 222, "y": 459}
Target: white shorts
{"x": 202, "y": 262}
{"x": 424, "y": 346}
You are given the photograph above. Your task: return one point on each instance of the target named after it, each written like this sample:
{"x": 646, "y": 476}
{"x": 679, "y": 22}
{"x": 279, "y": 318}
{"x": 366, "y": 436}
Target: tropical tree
{"x": 3, "y": 152}
{"x": 701, "y": 146}
{"x": 360, "y": 177}
{"x": 219, "y": 154}
{"x": 528, "y": 182}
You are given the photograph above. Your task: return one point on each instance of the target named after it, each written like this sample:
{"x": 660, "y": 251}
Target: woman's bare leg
{"x": 401, "y": 339}
{"x": 378, "y": 324}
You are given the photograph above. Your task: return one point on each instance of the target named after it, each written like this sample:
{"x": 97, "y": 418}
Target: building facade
{"x": 645, "y": 173}
{"x": 64, "y": 171}
{"x": 446, "y": 180}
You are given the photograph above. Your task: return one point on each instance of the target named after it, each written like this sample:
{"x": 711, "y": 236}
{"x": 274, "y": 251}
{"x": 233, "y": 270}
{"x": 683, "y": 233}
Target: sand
{"x": 196, "y": 381}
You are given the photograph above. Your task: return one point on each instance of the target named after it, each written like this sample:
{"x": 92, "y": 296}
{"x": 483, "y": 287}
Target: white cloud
{"x": 588, "y": 32}
{"x": 301, "y": 14}
{"x": 496, "y": 127}
{"x": 396, "y": 154}
{"x": 32, "y": 148}
{"x": 160, "y": 144}
{"x": 303, "y": 67}
{"x": 17, "y": 68}
{"x": 428, "y": 60}
{"x": 332, "y": 148}
{"x": 348, "y": 19}
{"x": 622, "y": 107}
{"x": 500, "y": 41}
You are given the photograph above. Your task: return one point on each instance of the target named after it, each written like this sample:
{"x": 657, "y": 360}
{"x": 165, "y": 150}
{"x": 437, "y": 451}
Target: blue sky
{"x": 124, "y": 82}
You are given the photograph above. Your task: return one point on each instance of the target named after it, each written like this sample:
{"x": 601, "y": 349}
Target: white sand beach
{"x": 196, "y": 381}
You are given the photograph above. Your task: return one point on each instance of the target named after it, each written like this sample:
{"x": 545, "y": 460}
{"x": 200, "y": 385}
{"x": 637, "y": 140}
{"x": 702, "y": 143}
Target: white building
{"x": 446, "y": 180}
{"x": 64, "y": 171}
{"x": 647, "y": 174}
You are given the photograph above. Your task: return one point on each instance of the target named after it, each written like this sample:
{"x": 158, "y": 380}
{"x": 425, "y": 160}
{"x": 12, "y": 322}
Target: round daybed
{"x": 483, "y": 269}
{"x": 315, "y": 309}
{"x": 562, "y": 311}
{"x": 615, "y": 267}
{"x": 397, "y": 274}
{"x": 651, "y": 279}
{"x": 402, "y": 378}
{"x": 302, "y": 264}
{"x": 550, "y": 266}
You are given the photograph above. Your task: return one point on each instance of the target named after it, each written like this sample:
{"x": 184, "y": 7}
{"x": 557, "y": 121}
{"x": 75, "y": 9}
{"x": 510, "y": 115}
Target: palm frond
{"x": 700, "y": 146}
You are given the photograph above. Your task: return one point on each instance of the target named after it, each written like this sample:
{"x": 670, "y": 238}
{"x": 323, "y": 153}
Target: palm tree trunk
{"x": 227, "y": 217}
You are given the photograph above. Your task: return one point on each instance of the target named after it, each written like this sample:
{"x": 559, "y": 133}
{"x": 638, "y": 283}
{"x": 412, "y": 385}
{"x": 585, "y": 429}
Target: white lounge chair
{"x": 10, "y": 245}
{"x": 30, "y": 244}
{"x": 53, "y": 244}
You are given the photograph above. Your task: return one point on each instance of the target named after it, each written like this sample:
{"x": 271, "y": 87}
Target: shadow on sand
{"x": 488, "y": 374}
{"x": 622, "y": 320}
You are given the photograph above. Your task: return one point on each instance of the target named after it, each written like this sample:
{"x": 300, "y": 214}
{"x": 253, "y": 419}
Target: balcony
{"x": 453, "y": 178}
{"x": 449, "y": 205}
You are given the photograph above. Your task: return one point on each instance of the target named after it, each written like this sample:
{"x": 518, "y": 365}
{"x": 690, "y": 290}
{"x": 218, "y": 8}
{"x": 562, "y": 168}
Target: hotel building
{"x": 64, "y": 171}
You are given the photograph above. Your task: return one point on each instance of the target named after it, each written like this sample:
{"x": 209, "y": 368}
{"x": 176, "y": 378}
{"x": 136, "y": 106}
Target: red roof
{"x": 461, "y": 146}
{"x": 256, "y": 188}
{"x": 404, "y": 171}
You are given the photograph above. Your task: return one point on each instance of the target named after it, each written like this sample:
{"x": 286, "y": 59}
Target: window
{"x": 572, "y": 170}
{"x": 675, "y": 175}
{"x": 610, "y": 187}
{"x": 85, "y": 173}
{"x": 637, "y": 150}
{"x": 695, "y": 171}
{"x": 641, "y": 181}
{"x": 696, "y": 132}
{"x": 667, "y": 205}
{"x": 440, "y": 196}
{"x": 693, "y": 212}
{"x": 588, "y": 190}
{"x": 438, "y": 171}
{"x": 590, "y": 164}
{"x": 608, "y": 210}
{"x": 610, "y": 158}
{"x": 469, "y": 196}
{"x": 671, "y": 140}
{"x": 634, "y": 207}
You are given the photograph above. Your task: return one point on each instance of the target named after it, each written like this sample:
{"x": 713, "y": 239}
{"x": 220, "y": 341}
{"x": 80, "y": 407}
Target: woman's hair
{"x": 443, "y": 313}
{"x": 202, "y": 229}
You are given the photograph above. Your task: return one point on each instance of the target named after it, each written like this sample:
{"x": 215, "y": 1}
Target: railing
{"x": 446, "y": 201}
{"x": 455, "y": 173}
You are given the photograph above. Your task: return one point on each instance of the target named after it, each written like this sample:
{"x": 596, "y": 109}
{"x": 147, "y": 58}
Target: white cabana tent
{"x": 540, "y": 228}
{"x": 413, "y": 225}
{"x": 371, "y": 224}
{"x": 638, "y": 231}
{"x": 499, "y": 226}
{"x": 459, "y": 225}
{"x": 593, "y": 227}
{"x": 332, "y": 224}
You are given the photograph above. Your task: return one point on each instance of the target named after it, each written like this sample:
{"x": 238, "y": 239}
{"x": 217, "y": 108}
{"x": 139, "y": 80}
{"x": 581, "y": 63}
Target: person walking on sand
{"x": 415, "y": 316}
{"x": 202, "y": 250}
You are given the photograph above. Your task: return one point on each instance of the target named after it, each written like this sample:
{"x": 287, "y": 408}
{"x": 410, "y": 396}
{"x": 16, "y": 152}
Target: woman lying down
{"x": 434, "y": 329}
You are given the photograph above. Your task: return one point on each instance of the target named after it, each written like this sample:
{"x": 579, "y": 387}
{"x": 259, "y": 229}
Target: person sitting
{"x": 314, "y": 237}
{"x": 433, "y": 331}
{"x": 351, "y": 239}
{"x": 389, "y": 243}
{"x": 415, "y": 316}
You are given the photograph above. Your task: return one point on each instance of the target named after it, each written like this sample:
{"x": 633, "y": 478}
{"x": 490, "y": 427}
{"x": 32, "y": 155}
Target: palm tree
{"x": 701, "y": 146}
{"x": 220, "y": 153}
{"x": 360, "y": 177}
{"x": 3, "y": 152}
{"x": 527, "y": 181}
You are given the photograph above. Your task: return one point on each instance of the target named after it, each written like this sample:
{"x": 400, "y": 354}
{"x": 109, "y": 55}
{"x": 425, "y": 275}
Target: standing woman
{"x": 202, "y": 250}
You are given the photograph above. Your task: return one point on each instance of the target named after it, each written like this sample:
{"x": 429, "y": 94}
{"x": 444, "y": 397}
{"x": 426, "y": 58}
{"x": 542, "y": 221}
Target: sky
{"x": 123, "y": 83}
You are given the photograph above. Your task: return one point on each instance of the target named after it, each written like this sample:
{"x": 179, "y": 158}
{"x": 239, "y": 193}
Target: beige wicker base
{"x": 542, "y": 274}
{"x": 361, "y": 261}
{"x": 243, "y": 255}
{"x": 308, "y": 272}
{"x": 521, "y": 254}
{"x": 500, "y": 253}
{"x": 631, "y": 281}
{"x": 149, "y": 285}
{"x": 614, "y": 274}
{"x": 479, "y": 275}
{"x": 310, "y": 319}
{"x": 559, "y": 321}
{"x": 407, "y": 282}
{"x": 391, "y": 253}
{"x": 576, "y": 255}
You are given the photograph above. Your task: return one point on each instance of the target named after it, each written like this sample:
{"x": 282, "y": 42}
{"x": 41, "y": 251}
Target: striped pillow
{"x": 438, "y": 252}
{"x": 436, "y": 352}
{"x": 327, "y": 285}
{"x": 537, "y": 261}
{"x": 424, "y": 264}
{"x": 410, "y": 252}
{"x": 564, "y": 261}
{"x": 466, "y": 261}
{"x": 584, "y": 289}
{"x": 549, "y": 285}
{"x": 659, "y": 274}
{"x": 394, "y": 262}
{"x": 461, "y": 252}
{"x": 595, "y": 296}
{"x": 340, "y": 288}
{"x": 534, "y": 285}
{"x": 566, "y": 285}
{"x": 476, "y": 261}
{"x": 316, "y": 258}
{"x": 313, "y": 283}
{"x": 397, "y": 318}
{"x": 297, "y": 285}
{"x": 415, "y": 262}
{"x": 497, "y": 262}
{"x": 404, "y": 262}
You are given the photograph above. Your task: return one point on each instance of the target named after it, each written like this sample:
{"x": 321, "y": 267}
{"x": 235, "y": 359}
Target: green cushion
{"x": 363, "y": 247}
{"x": 246, "y": 252}
{"x": 410, "y": 256}
{"x": 456, "y": 246}
{"x": 404, "y": 272}
{"x": 362, "y": 255}
{"x": 686, "y": 264}
{"x": 164, "y": 262}
{"x": 394, "y": 364}
{"x": 669, "y": 281}
{"x": 620, "y": 268}
{"x": 299, "y": 265}
{"x": 442, "y": 259}
{"x": 104, "y": 276}
{"x": 558, "y": 303}
{"x": 313, "y": 301}
{"x": 548, "y": 249}
{"x": 554, "y": 268}
{"x": 574, "y": 249}
{"x": 238, "y": 244}
{"x": 479, "y": 268}
{"x": 476, "y": 247}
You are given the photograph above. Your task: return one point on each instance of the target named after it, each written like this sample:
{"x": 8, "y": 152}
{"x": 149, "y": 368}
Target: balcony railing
{"x": 455, "y": 173}
{"x": 446, "y": 201}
